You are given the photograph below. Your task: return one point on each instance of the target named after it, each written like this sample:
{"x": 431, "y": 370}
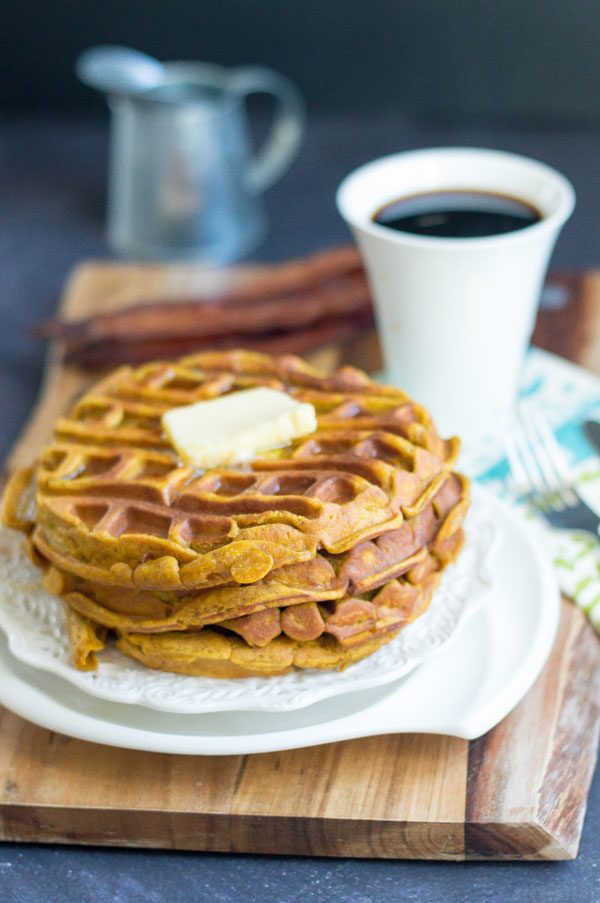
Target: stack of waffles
{"x": 309, "y": 556}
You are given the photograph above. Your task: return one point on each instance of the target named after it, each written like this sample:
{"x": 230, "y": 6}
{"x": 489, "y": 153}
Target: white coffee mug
{"x": 455, "y": 315}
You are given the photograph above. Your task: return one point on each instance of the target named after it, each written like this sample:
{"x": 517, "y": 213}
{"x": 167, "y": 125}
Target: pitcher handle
{"x": 283, "y": 141}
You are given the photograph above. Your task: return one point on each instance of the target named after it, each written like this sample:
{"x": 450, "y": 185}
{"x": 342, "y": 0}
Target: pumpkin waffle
{"x": 269, "y": 640}
{"x": 424, "y": 544}
{"x": 310, "y": 556}
{"x": 115, "y": 503}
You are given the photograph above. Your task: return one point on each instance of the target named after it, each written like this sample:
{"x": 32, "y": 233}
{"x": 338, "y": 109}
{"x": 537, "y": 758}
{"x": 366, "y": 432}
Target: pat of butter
{"x": 234, "y": 428}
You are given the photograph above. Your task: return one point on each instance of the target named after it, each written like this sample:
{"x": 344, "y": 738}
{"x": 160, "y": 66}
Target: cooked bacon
{"x": 295, "y": 306}
{"x": 98, "y": 355}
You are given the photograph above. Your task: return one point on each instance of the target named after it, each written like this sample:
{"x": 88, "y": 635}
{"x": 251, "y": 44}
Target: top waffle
{"x": 116, "y": 505}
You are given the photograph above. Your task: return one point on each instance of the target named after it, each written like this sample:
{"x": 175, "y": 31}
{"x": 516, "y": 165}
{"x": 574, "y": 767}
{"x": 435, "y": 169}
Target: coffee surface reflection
{"x": 457, "y": 214}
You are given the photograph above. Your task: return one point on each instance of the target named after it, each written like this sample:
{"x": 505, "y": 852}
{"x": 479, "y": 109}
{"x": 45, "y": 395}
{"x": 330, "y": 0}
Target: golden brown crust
{"x": 86, "y": 640}
{"x": 116, "y": 505}
{"x": 310, "y": 556}
{"x": 18, "y": 501}
{"x": 212, "y": 654}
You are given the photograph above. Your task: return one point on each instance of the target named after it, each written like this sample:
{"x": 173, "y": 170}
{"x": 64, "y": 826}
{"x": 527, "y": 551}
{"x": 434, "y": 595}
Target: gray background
{"x": 529, "y": 62}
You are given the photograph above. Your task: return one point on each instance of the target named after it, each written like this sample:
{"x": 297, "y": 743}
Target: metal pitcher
{"x": 183, "y": 181}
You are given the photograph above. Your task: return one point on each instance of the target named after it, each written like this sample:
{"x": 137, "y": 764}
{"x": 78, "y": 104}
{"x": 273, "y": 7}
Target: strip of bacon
{"x": 295, "y": 307}
{"x": 98, "y": 355}
{"x": 286, "y": 296}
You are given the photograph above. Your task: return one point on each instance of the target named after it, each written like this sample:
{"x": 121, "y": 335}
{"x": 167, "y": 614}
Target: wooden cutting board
{"x": 517, "y": 793}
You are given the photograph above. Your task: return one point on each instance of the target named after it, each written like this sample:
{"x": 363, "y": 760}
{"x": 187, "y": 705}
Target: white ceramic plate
{"x": 464, "y": 690}
{"x": 34, "y": 623}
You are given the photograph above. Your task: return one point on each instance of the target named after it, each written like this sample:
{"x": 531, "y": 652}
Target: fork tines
{"x": 538, "y": 464}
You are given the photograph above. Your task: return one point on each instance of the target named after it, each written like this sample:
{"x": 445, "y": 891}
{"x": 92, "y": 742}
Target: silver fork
{"x": 541, "y": 473}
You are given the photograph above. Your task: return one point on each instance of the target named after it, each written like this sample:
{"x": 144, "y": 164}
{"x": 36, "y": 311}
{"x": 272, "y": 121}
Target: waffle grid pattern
{"x": 336, "y": 541}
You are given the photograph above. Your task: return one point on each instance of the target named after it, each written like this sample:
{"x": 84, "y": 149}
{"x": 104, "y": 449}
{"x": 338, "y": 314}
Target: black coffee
{"x": 457, "y": 214}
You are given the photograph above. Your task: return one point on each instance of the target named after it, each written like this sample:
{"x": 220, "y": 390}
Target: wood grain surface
{"x": 519, "y": 792}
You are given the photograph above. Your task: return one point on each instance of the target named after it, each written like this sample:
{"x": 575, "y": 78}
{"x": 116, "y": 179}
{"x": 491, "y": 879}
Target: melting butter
{"x": 235, "y": 428}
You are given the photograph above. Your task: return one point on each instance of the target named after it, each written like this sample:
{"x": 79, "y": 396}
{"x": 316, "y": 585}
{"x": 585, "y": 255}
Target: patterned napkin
{"x": 568, "y": 395}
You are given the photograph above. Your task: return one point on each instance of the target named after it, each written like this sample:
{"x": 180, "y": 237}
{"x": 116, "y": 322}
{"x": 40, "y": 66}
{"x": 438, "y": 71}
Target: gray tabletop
{"x": 52, "y": 178}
